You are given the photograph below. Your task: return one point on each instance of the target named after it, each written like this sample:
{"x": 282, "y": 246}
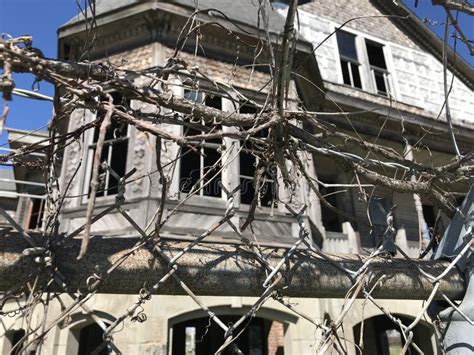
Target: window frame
{"x": 350, "y": 61}
{"x": 365, "y": 69}
{"x": 373, "y": 68}
{"x": 273, "y": 183}
{"x": 89, "y": 151}
{"x": 202, "y": 145}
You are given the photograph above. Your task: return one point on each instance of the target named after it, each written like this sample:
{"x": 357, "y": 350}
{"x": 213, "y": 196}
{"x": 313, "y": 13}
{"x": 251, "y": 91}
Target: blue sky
{"x": 41, "y": 18}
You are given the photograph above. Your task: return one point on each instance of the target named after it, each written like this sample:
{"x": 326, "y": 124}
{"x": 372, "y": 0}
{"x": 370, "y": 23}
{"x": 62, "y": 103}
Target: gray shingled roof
{"x": 243, "y": 11}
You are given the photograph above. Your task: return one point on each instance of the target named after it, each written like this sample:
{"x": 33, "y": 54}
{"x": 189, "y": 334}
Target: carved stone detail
{"x": 73, "y": 156}
{"x": 141, "y": 143}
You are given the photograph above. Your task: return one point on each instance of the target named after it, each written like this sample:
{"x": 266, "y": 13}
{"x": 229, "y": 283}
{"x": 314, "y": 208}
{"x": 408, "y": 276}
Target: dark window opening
{"x": 114, "y": 152}
{"x": 429, "y": 215}
{"x": 248, "y": 109}
{"x": 378, "y": 67}
{"x": 382, "y": 336}
{"x": 37, "y": 213}
{"x": 247, "y": 172}
{"x": 91, "y": 340}
{"x": 213, "y": 101}
{"x": 380, "y": 82}
{"x": 248, "y": 162}
{"x": 16, "y": 340}
{"x": 375, "y": 53}
{"x": 199, "y": 337}
{"x": 379, "y": 209}
{"x": 348, "y": 59}
{"x": 67, "y": 52}
{"x": 200, "y": 166}
{"x": 268, "y": 190}
{"x": 346, "y": 45}
{"x": 330, "y": 218}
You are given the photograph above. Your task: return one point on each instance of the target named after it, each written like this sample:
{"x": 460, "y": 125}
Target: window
{"x": 199, "y": 336}
{"x": 36, "y": 214}
{"x": 378, "y": 67}
{"x": 248, "y": 162}
{"x": 363, "y": 63}
{"x": 382, "y": 336}
{"x": 429, "y": 216}
{"x": 200, "y": 165}
{"x": 114, "y": 153}
{"x": 91, "y": 341}
{"x": 349, "y": 60}
{"x": 15, "y": 339}
{"x": 329, "y": 217}
{"x": 379, "y": 209}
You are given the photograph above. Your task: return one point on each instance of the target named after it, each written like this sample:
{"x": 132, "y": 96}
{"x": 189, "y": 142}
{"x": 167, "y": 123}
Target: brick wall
{"x": 275, "y": 339}
{"x": 227, "y": 73}
{"x": 134, "y": 59}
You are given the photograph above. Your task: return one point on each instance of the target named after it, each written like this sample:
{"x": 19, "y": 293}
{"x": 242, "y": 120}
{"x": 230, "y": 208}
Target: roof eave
{"x": 429, "y": 40}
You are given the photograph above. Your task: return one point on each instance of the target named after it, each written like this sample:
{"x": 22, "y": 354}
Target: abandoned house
{"x": 388, "y": 69}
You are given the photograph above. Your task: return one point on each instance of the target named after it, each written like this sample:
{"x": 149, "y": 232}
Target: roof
{"x": 102, "y": 7}
{"x": 242, "y": 11}
{"x": 428, "y": 39}
{"x": 18, "y": 137}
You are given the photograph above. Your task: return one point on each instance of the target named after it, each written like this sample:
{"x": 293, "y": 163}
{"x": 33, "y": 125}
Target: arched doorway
{"x": 195, "y": 334}
{"x": 383, "y": 337}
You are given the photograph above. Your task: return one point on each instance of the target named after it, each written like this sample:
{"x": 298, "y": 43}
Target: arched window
{"x": 14, "y": 341}
{"x": 201, "y": 336}
{"x": 91, "y": 341}
{"x": 86, "y": 336}
{"x": 382, "y": 336}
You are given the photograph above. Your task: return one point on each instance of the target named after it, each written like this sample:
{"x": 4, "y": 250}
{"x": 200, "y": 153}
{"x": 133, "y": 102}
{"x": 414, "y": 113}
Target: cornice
{"x": 428, "y": 39}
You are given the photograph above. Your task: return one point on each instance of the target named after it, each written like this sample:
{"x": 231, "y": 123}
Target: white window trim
{"x": 230, "y": 174}
{"x": 365, "y": 71}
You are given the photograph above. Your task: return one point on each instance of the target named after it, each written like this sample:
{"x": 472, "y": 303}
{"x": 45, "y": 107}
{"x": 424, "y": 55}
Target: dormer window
{"x": 363, "y": 63}
{"x": 350, "y": 64}
{"x": 378, "y": 67}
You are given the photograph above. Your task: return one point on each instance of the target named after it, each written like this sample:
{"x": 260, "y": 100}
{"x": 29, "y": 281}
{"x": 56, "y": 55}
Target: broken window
{"x": 348, "y": 58}
{"x": 378, "y": 67}
{"x": 201, "y": 163}
{"x": 114, "y": 154}
{"x": 248, "y": 161}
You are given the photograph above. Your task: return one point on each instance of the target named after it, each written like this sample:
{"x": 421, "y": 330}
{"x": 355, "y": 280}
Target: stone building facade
{"x": 377, "y": 65}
